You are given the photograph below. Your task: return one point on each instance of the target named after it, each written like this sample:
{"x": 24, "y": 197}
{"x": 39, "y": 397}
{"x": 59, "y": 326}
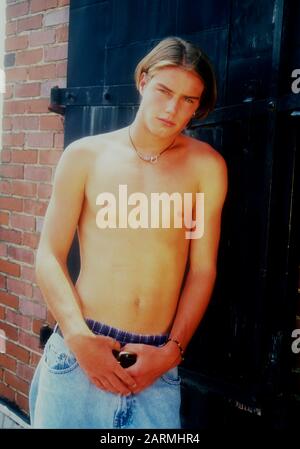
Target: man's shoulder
{"x": 94, "y": 143}
{"x": 204, "y": 154}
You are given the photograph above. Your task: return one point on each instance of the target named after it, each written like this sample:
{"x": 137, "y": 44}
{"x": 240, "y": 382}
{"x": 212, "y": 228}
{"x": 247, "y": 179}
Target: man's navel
{"x": 137, "y": 303}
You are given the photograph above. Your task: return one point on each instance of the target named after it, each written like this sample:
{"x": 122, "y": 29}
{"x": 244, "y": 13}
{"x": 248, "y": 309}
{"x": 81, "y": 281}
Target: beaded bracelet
{"x": 179, "y": 346}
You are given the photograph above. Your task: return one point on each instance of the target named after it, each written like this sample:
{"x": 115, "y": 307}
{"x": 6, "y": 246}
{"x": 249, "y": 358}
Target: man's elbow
{"x": 204, "y": 272}
{"x": 44, "y": 263}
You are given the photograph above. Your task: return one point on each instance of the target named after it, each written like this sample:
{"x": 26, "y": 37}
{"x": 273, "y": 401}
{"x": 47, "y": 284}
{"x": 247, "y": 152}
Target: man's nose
{"x": 172, "y": 106}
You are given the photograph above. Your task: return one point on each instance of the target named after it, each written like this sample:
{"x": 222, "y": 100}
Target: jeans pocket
{"x": 172, "y": 377}
{"x": 57, "y": 357}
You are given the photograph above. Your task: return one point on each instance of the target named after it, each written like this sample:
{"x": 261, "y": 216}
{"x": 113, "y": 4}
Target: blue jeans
{"x": 61, "y": 395}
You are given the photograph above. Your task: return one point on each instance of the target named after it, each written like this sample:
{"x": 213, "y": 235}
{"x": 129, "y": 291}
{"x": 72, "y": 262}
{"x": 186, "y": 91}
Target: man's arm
{"x": 59, "y": 227}
{"x": 199, "y": 282}
{"x": 203, "y": 254}
{"x": 94, "y": 353}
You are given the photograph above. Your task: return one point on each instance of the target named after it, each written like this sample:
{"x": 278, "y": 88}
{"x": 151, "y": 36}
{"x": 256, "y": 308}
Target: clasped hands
{"x": 95, "y": 356}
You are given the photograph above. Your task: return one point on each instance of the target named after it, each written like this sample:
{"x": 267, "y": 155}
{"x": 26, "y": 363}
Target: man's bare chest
{"x": 140, "y": 195}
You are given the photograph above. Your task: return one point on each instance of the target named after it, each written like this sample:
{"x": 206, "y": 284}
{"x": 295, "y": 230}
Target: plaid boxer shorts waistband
{"x": 122, "y": 336}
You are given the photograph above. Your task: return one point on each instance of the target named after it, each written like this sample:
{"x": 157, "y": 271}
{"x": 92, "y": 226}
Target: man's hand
{"x": 151, "y": 363}
{"x": 94, "y": 355}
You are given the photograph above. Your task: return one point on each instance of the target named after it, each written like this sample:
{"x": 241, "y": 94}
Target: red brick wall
{"x": 35, "y": 61}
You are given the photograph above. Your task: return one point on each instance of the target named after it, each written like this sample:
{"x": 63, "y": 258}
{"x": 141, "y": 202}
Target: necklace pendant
{"x": 154, "y": 159}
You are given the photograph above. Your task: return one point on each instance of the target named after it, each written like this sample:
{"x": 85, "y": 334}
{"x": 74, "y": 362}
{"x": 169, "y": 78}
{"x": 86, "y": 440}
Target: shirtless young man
{"x": 130, "y": 279}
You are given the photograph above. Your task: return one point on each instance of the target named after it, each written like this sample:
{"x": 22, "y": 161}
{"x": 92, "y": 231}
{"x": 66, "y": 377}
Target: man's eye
{"x": 189, "y": 100}
{"x": 163, "y": 91}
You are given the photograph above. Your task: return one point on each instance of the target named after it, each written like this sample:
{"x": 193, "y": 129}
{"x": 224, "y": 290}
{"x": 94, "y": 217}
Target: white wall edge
{"x": 2, "y": 41}
{"x": 6, "y": 412}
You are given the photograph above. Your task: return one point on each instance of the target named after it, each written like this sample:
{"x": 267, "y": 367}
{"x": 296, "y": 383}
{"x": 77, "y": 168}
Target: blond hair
{"x": 174, "y": 51}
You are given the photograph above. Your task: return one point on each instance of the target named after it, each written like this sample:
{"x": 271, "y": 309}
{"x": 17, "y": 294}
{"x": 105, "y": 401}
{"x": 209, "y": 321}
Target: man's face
{"x": 172, "y": 94}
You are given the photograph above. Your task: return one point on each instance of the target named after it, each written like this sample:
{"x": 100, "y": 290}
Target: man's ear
{"x": 143, "y": 81}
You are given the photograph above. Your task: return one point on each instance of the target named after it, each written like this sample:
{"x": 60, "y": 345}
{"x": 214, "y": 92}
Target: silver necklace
{"x": 148, "y": 157}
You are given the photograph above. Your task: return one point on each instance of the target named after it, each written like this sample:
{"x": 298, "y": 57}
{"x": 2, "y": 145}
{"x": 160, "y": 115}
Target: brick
{"x": 7, "y": 123}
{"x": 40, "y": 139}
{"x": 16, "y": 43}
{"x": 56, "y": 17}
{"x": 63, "y": 2}
{"x": 22, "y": 254}
{"x": 7, "y": 392}
{"x": 2, "y": 314}
{"x": 13, "y": 139}
{"x": 11, "y": 171}
{"x": 34, "y": 359}
{"x": 25, "y": 372}
{"x": 9, "y": 300}
{"x": 10, "y": 235}
{"x": 4, "y": 218}
{"x": 25, "y": 122}
{"x": 37, "y": 106}
{"x": 3, "y": 249}
{"x": 48, "y": 85}
{"x": 11, "y": 203}
{"x": 42, "y": 5}
{"x": 61, "y": 69}
{"x": 13, "y": 381}
{"x": 21, "y": 221}
{"x": 37, "y": 173}
{"x": 28, "y": 90}
{"x": 15, "y": 107}
{"x": 62, "y": 33}
{"x": 10, "y": 268}
{"x": 23, "y": 322}
{"x": 37, "y": 295}
{"x": 34, "y": 207}
{"x": 5, "y": 155}
{"x": 56, "y": 53}
{"x": 29, "y": 341}
{"x": 11, "y": 28}
{"x": 53, "y": 122}
{"x": 17, "y": 10}
{"x": 11, "y": 332}
{"x": 59, "y": 140}
{"x": 28, "y": 274}
{"x": 22, "y": 402}
{"x": 44, "y": 192}
{"x": 30, "y": 308}
{"x": 29, "y": 57}
{"x": 24, "y": 188}
{"x": 36, "y": 326}
{"x": 50, "y": 157}
{"x": 9, "y": 91}
{"x": 44, "y": 37}
{"x": 9, "y": 59}
{"x": 41, "y": 72}
{"x": 3, "y": 281}
{"x": 25, "y": 156}
{"x": 19, "y": 287}
{"x": 8, "y": 362}
{"x": 5, "y": 187}
{"x": 30, "y": 23}
{"x": 31, "y": 240}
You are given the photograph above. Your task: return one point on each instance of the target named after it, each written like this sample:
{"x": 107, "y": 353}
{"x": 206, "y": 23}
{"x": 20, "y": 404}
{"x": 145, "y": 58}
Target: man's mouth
{"x": 167, "y": 122}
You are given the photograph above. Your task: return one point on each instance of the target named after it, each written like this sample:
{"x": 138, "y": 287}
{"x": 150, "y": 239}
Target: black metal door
{"x": 237, "y": 363}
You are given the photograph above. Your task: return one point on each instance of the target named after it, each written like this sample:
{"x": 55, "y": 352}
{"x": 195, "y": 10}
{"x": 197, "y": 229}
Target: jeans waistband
{"x": 121, "y": 335}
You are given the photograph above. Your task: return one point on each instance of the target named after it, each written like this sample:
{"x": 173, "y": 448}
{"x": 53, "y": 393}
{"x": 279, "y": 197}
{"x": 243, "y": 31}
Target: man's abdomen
{"x": 131, "y": 285}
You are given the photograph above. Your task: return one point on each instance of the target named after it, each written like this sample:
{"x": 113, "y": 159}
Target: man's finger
{"x": 119, "y": 385}
{"x": 125, "y": 376}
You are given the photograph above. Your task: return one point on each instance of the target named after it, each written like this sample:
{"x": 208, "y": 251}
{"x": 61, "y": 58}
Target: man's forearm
{"x": 60, "y": 295}
{"x": 192, "y": 305}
